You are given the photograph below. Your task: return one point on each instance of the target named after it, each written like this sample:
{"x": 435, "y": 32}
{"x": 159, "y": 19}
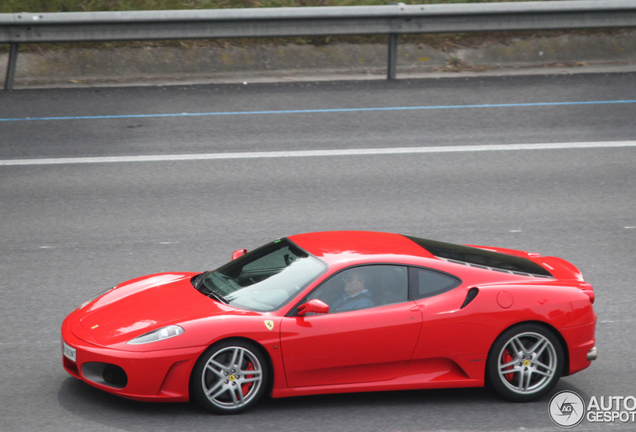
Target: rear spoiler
{"x": 558, "y": 267}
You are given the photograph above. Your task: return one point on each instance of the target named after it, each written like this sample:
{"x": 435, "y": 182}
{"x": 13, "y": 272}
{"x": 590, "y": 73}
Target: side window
{"x": 429, "y": 283}
{"x": 364, "y": 287}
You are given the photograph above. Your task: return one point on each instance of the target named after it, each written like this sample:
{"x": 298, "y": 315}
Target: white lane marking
{"x": 616, "y": 321}
{"x": 314, "y": 153}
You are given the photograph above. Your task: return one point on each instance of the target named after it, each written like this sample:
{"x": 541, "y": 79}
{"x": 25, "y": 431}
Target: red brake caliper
{"x": 507, "y": 358}
{"x": 246, "y": 387}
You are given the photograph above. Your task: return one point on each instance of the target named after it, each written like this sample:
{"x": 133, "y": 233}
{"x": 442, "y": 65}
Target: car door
{"x": 358, "y": 340}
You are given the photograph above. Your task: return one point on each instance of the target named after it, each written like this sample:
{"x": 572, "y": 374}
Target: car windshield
{"x": 264, "y": 279}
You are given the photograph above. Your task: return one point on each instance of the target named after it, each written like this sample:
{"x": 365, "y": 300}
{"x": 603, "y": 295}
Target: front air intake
{"x": 106, "y": 374}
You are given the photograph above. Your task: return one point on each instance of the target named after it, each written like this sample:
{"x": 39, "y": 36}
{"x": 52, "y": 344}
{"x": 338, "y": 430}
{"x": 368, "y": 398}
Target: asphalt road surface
{"x": 71, "y": 229}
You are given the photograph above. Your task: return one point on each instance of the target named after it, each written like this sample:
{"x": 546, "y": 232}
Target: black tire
{"x": 525, "y": 363}
{"x": 229, "y": 377}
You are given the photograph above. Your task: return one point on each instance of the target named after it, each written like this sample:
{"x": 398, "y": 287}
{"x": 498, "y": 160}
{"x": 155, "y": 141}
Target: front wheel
{"x": 229, "y": 377}
{"x": 525, "y": 363}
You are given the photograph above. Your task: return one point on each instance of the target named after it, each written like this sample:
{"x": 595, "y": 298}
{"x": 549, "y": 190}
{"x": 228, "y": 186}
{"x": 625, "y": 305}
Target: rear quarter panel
{"x": 465, "y": 335}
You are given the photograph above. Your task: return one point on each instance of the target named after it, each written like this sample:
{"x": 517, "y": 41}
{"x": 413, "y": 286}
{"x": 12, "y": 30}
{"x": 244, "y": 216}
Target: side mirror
{"x": 238, "y": 253}
{"x": 313, "y": 306}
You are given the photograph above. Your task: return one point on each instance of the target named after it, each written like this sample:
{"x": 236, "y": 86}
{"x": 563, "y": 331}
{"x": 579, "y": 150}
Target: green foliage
{"x": 12, "y": 6}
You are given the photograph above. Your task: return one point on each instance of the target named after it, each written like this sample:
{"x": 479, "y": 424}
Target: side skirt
{"x": 397, "y": 384}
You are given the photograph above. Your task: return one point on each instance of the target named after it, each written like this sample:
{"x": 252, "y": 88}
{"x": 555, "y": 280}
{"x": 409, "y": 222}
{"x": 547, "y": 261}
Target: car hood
{"x": 143, "y": 305}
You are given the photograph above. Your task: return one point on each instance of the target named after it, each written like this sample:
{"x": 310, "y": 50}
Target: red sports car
{"x": 336, "y": 312}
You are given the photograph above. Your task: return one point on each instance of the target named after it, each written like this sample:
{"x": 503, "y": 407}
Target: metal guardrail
{"x": 392, "y": 20}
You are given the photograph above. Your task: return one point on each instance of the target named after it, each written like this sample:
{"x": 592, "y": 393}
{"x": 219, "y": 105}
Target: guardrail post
{"x": 13, "y": 59}
{"x": 393, "y": 39}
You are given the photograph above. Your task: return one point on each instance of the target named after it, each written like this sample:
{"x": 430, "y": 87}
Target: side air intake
{"x": 472, "y": 293}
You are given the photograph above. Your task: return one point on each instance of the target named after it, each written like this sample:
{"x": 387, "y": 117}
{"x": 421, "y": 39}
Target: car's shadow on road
{"x": 84, "y": 401}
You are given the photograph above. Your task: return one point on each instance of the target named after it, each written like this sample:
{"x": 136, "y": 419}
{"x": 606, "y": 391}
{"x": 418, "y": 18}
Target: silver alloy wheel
{"x": 527, "y": 363}
{"x": 232, "y": 377}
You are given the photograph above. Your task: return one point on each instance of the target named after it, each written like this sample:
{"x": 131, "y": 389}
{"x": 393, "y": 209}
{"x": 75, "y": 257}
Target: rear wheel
{"x": 229, "y": 377}
{"x": 525, "y": 363}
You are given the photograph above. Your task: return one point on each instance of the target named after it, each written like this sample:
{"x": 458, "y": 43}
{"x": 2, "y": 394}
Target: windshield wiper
{"x": 199, "y": 285}
{"x": 218, "y": 297}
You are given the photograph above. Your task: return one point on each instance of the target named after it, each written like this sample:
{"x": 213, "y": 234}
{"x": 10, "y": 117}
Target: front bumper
{"x": 149, "y": 376}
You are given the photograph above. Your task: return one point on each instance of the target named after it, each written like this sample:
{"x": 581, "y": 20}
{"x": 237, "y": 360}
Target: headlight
{"x": 96, "y": 297}
{"x": 157, "y": 335}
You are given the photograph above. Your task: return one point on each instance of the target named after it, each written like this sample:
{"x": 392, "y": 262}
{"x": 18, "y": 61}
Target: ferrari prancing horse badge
{"x": 269, "y": 324}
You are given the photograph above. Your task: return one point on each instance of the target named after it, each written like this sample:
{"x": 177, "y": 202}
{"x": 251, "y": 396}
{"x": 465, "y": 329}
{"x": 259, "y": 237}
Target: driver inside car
{"x": 356, "y": 295}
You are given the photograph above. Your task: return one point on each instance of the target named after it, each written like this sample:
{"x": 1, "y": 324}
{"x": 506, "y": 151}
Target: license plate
{"x": 69, "y": 352}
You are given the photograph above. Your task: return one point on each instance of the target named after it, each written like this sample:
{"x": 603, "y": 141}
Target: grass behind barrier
{"x": 12, "y": 6}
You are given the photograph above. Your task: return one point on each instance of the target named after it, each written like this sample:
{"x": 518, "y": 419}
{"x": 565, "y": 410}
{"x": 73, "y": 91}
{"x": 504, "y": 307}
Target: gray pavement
{"x": 272, "y": 127}
{"x": 70, "y": 231}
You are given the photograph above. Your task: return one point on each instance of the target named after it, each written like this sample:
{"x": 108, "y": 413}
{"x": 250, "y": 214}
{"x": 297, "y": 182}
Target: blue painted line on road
{"x": 314, "y": 111}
